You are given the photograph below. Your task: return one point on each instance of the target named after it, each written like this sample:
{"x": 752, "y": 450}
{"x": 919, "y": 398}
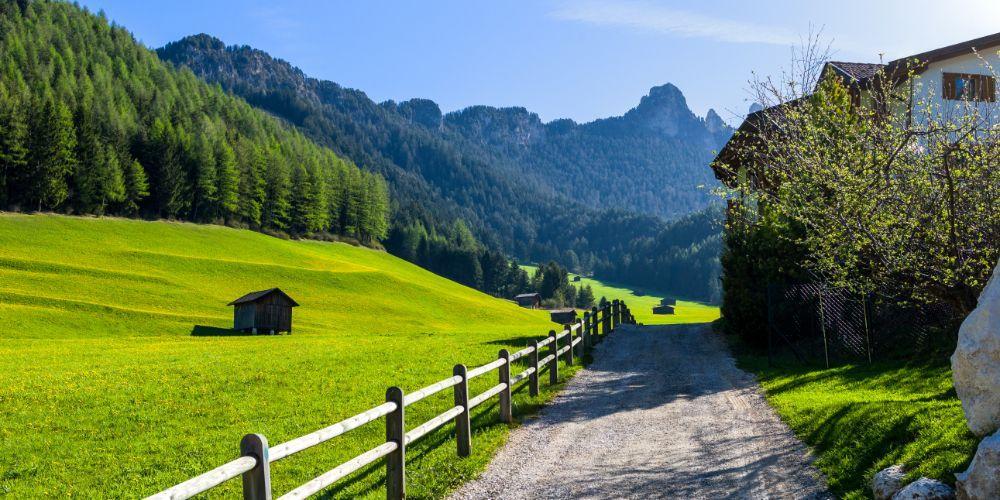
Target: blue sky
{"x": 582, "y": 59}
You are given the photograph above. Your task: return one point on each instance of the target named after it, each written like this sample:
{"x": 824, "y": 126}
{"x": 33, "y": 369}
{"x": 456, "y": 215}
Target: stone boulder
{"x": 981, "y": 481}
{"x": 976, "y": 362}
{"x": 925, "y": 489}
{"x": 888, "y": 481}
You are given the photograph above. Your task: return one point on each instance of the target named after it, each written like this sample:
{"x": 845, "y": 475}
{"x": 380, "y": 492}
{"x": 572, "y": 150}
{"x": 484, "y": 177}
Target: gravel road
{"x": 663, "y": 412}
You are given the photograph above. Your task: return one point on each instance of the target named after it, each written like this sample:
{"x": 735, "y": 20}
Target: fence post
{"x": 395, "y": 462}
{"x": 615, "y": 309}
{"x": 506, "y": 413}
{"x": 533, "y": 378}
{"x": 256, "y": 481}
{"x": 554, "y": 363}
{"x": 593, "y": 330}
{"x": 583, "y": 341}
{"x": 606, "y": 319}
{"x": 822, "y": 325}
{"x": 463, "y": 426}
{"x": 569, "y": 343}
{"x": 586, "y": 330}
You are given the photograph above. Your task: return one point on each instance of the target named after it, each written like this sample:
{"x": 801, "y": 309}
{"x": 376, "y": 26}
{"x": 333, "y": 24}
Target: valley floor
{"x": 662, "y": 412}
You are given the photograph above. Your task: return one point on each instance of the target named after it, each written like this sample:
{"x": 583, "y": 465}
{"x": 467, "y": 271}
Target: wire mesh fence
{"x": 815, "y": 323}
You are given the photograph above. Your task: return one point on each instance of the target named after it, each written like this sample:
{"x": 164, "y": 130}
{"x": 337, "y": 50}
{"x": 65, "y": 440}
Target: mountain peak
{"x": 714, "y": 123}
{"x": 664, "y": 109}
{"x": 201, "y": 41}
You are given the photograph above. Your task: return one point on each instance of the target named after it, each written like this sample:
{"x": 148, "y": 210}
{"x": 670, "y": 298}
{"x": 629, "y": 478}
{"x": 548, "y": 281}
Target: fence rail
{"x": 253, "y": 464}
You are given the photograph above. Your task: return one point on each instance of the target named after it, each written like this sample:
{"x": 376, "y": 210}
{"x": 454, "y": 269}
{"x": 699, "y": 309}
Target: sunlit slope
{"x": 641, "y": 302}
{"x": 80, "y": 277}
{"x": 107, "y": 387}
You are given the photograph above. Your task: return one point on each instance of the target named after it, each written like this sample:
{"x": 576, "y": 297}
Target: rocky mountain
{"x": 660, "y": 141}
{"x": 514, "y": 180}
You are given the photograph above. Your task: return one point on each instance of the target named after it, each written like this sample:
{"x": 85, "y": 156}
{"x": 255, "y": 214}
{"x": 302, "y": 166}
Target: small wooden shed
{"x": 266, "y": 311}
{"x": 668, "y": 301}
{"x": 563, "y": 316}
{"x": 529, "y": 300}
{"x": 663, "y": 309}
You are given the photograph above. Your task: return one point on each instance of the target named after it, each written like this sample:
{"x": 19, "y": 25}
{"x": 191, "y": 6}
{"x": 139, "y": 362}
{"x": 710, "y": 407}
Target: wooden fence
{"x": 253, "y": 464}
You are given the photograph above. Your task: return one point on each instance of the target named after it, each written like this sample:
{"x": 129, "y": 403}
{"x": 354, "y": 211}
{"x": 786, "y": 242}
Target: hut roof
{"x": 255, "y": 296}
{"x": 528, "y": 295}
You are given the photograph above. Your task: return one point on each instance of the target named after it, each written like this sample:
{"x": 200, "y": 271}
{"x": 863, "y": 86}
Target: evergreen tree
{"x": 52, "y": 158}
{"x": 227, "y": 180}
{"x": 204, "y": 167}
{"x": 136, "y": 187}
{"x": 13, "y": 147}
{"x": 585, "y": 299}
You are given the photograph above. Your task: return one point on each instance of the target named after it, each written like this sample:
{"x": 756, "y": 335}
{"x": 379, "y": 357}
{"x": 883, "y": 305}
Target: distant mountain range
{"x": 534, "y": 190}
{"x": 659, "y": 141}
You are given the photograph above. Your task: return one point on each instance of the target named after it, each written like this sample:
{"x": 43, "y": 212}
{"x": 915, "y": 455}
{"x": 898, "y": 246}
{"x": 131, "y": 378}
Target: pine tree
{"x": 250, "y": 200}
{"x": 13, "y": 148}
{"x": 585, "y": 299}
{"x": 227, "y": 180}
{"x": 136, "y": 187}
{"x": 204, "y": 178}
{"x": 52, "y": 158}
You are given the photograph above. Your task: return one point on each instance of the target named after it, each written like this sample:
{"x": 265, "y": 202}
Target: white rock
{"x": 887, "y": 482}
{"x": 925, "y": 489}
{"x": 981, "y": 481}
{"x": 976, "y": 362}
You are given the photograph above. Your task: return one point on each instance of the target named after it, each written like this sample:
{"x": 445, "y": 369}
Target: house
{"x": 267, "y": 311}
{"x": 948, "y": 81}
{"x": 563, "y": 316}
{"x": 529, "y": 300}
{"x": 663, "y": 309}
{"x": 668, "y": 301}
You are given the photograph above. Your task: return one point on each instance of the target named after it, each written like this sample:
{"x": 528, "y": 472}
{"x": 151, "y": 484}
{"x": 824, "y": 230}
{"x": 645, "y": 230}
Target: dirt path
{"x": 662, "y": 413}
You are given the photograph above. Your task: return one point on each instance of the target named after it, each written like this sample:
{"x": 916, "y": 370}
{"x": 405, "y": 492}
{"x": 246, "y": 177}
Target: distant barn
{"x": 668, "y": 301}
{"x": 529, "y": 300}
{"x": 266, "y": 311}
{"x": 563, "y": 316}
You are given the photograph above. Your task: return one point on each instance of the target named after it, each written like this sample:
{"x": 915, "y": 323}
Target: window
{"x": 966, "y": 87}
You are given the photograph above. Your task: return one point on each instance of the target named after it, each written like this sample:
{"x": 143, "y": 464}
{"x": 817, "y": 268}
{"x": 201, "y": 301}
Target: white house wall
{"x": 929, "y": 87}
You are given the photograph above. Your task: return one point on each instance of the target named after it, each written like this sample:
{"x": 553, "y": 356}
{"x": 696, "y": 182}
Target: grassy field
{"x": 861, "y": 419}
{"x": 641, "y": 302}
{"x": 118, "y": 377}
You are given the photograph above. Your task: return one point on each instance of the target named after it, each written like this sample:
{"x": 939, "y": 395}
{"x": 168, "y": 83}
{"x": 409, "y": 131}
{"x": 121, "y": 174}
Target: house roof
{"x": 856, "y": 74}
{"x": 255, "y": 296}
{"x": 528, "y": 295}
{"x": 855, "y": 71}
{"x": 950, "y": 51}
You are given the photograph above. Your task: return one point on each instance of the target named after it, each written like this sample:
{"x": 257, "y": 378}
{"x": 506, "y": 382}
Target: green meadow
{"x": 641, "y": 302}
{"x": 119, "y": 376}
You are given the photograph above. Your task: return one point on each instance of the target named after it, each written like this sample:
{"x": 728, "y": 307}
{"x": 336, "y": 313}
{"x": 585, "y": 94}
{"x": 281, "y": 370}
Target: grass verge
{"x": 859, "y": 419}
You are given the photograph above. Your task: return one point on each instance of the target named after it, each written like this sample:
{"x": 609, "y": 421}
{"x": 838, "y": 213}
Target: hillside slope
{"x": 93, "y": 122}
{"x": 117, "y": 374}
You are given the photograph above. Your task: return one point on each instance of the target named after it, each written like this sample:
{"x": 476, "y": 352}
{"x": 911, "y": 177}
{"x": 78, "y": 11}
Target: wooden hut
{"x": 563, "y": 316}
{"x": 266, "y": 311}
{"x": 663, "y": 309}
{"x": 529, "y": 300}
{"x": 668, "y": 301}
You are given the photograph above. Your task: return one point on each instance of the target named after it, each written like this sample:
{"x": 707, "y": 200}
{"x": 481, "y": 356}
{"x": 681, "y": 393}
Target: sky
{"x": 581, "y": 59}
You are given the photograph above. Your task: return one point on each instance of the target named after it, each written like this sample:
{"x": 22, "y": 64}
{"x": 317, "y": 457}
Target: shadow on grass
{"x": 214, "y": 331}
